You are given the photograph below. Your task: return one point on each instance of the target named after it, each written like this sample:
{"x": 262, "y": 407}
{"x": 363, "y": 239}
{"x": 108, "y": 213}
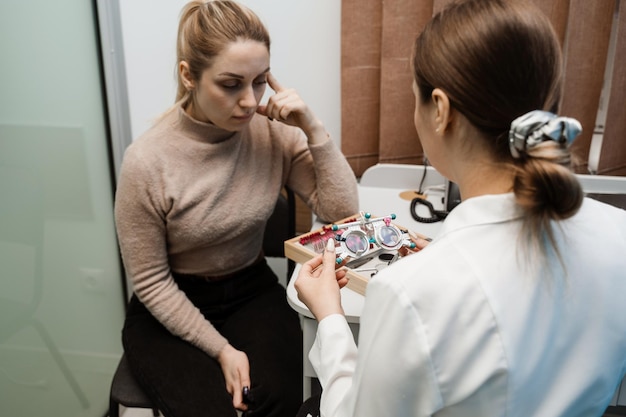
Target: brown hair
{"x": 206, "y": 28}
{"x": 497, "y": 60}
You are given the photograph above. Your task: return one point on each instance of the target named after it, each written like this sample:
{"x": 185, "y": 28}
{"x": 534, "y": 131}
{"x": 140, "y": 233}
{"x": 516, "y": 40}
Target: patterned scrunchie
{"x": 539, "y": 126}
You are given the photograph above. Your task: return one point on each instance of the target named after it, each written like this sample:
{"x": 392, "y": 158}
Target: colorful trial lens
{"x": 389, "y": 237}
{"x": 356, "y": 242}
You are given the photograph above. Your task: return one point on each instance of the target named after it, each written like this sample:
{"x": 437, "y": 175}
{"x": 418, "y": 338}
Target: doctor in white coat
{"x": 517, "y": 306}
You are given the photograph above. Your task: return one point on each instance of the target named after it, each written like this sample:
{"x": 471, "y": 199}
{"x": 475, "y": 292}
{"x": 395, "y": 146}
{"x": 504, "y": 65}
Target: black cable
{"x": 436, "y": 215}
{"x": 420, "y": 190}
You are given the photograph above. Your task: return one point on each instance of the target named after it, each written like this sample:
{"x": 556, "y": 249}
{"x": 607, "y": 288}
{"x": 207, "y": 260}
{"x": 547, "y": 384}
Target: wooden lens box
{"x": 364, "y": 245}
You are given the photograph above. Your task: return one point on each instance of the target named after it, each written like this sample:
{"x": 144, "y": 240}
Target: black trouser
{"x": 251, "y": 311}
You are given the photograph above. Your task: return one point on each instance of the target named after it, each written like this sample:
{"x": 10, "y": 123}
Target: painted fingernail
{"x": 330, "y": 245}
{"x": 247, "y": 395}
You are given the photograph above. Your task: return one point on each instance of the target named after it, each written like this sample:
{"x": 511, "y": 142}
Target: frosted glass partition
{"x": 61, "y": 302}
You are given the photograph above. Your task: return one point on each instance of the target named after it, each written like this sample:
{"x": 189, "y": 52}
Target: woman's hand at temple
{"x": 287, "y": 107}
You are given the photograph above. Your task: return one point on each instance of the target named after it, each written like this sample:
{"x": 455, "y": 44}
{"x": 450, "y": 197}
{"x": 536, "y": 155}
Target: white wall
{"x": 305, "y": 54}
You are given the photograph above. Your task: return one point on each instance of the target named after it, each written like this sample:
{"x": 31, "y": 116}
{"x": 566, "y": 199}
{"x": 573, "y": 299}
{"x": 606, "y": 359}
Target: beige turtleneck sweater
{"x": 194, "y": 199}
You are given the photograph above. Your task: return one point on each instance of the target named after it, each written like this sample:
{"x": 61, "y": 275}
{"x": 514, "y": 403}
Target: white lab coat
{"x": 460, "y": 329}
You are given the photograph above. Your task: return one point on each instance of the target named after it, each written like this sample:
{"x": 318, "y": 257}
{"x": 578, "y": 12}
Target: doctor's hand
{"x": 236, "y": 369}
{"x": 420, "y": 243}
{"x": 287, "y": 107}
{"x": 318, "y": 284}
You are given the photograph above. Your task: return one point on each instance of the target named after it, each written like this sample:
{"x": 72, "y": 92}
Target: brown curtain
{"x": 377, "y": 100}
{"x": 613, "y": 155}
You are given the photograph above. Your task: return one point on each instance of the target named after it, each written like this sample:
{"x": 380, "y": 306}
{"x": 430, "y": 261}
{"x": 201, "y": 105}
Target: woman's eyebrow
{"x": 233, "y": 75}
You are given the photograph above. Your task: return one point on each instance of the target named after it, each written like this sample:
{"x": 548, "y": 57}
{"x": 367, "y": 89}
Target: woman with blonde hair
{"x": 517, "y": 306}
{"x": 208, "y": 330}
